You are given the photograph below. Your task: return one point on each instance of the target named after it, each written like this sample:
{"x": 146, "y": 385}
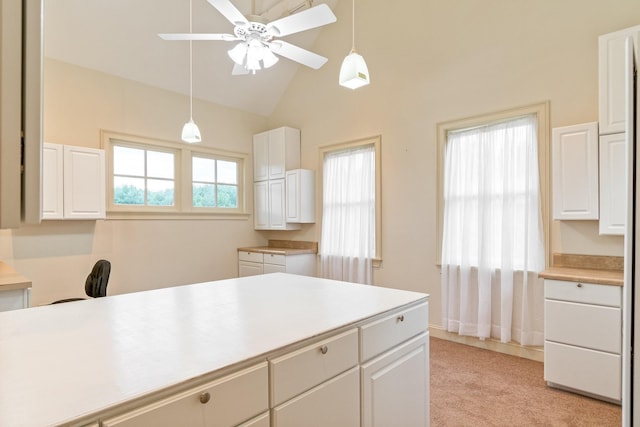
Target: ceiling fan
{"x": 257, "y": 47}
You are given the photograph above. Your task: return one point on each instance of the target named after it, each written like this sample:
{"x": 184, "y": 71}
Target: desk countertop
{"x": 62, "y": 362}
{"x": 11, "y": 279}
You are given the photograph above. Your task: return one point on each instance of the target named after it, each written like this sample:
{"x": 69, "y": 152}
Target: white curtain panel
{"x": 347, "y": 245}
{"x": 492, "y": 245}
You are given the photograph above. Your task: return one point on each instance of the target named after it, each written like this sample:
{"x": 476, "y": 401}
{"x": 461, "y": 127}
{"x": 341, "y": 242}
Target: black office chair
{"x": 96, "y": 283}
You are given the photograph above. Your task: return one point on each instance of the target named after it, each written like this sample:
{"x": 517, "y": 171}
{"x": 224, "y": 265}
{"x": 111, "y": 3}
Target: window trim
{"x": 376, "y": 141}
{"x": 183, "y": 208}
{"x": 541, "y": 111}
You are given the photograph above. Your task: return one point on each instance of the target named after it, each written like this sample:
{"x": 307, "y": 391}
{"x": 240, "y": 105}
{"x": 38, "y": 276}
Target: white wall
{"x": 145, "y": 254}
{"x": 435, "y": 61}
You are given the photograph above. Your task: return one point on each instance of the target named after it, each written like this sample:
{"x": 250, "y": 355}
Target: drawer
{"x": 230, "y": 400}
{"x": 339, "y": 397}
{"x": 587, "y": 293}
{"x": 277, "y": 259}
{"x": 380, "y": 335}
{"x": 582, "y": 369}
{"x": 593, "y": 326}
{"x": 250, "y": 256}
{"x": 303, "y": 369}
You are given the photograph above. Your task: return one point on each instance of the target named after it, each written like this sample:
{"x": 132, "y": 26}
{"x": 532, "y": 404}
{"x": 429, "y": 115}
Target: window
{"x": 159, "y": 177}
{"x": 143, "y": 177}
{"x": 464, "y": 135}
{"x": 214, "y": 182}
{"x": 493, "y": 243}
{"x": 350, "y": 239}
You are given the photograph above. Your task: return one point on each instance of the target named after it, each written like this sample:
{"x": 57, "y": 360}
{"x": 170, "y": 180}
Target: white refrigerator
{"x": 631, "y": 299}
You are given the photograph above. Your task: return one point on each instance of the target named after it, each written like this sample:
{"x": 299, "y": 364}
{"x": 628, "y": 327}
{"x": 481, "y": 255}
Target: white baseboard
{"x": 511, "y": 348}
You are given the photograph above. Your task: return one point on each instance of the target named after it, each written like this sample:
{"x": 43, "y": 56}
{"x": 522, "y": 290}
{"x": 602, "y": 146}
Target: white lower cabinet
{"x": 395, "y": 386}
{"x": 333, "y": 403}
{"x": 583, "y": 338}
{"x": 372, "y": 374}
{"x": 395, "y": 369}
{"x": 229, "y": 401}
{"x": 251, "y": 263}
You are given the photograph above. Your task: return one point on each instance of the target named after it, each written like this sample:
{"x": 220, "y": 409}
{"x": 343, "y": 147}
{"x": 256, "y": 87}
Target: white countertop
{"x": 63, "y": 361}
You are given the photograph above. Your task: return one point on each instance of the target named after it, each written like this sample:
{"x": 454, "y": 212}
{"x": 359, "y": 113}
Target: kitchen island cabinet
{"x": 149, "y": 356}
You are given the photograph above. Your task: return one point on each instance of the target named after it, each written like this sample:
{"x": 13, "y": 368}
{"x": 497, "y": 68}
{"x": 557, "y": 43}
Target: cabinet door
{"x": 332, "y": 403}
{"x": 261, "y": 156}
{"x": 575, "y": 172}
{"x": 611, "y": 71}
{"x": 395, "y": 386}
{"x": 613, "y": 200}
{"x": 301, "y": 196}
{"x": 277, "y": 154}
{"x": 52, "y": 181}
{"x": 277, "y": 204}
{"x": 246, "y": 268}
{"x": 84, "y": 183}
{"x": 261, "y": 205}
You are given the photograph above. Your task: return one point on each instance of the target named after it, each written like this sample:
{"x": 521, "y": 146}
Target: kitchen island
{"x": 270, "y": 350}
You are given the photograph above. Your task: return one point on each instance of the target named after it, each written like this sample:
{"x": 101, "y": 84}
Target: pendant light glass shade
{"x": 353, "y": 72}
{"x": 190, "y": 131}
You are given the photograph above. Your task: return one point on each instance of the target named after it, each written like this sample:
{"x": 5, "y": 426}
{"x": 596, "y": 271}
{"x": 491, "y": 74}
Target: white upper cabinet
{"x": 301, "y": 204}
{"x": 284, "y": 194}
{"x": 611, "y": 75}
{"x": 73, "y": 182}
{"x": 613, "y": 197}
{"x": 575, "y": 172}
{"x": 275, "y": 152}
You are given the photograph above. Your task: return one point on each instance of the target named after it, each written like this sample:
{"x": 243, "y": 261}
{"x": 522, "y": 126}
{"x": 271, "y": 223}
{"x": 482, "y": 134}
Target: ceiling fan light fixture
{"x": 191, "y": 132}
{"x": 238, "y": 53}
{"x": 354, "y": 72}
{"x": 268, "y": 58}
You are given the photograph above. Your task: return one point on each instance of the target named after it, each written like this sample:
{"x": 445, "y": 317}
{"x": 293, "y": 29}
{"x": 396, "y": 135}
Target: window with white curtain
{"x": 350, "y": 211}
{"x": 492, "y": 229}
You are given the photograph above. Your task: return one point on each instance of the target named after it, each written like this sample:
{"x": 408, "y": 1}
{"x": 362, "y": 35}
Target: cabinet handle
{"x": 324, "y": 349}
{"x": 205, "y": 397}
{"x": 579, "y": 285}
{"x": 401, "y": 318}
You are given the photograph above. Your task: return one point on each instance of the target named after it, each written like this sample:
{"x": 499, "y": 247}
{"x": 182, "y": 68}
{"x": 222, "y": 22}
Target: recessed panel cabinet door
{"x": 52, "y": 181}
{"x": 575, "y": 172}
{"x": 84, "y": 183}
{"x": 395, "y": 386}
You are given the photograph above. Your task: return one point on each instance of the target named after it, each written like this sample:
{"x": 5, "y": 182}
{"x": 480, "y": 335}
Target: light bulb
{"x": 354, "y": 72}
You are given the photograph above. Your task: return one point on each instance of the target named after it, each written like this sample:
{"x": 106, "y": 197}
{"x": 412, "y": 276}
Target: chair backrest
{"x": 96, "y": 284}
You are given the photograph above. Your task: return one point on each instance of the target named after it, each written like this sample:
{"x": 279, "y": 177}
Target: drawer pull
{"x": 401, "y": 318}
{"x": 579, "y": 285}
{"x": 324, "y": 349}
{"x": 205, "y": 397}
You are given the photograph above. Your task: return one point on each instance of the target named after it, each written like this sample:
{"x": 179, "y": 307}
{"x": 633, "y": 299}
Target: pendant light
{"x": 354, "y": 72}
{"x": 190, "y": 131}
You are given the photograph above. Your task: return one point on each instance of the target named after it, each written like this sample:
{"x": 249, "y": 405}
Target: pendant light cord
{"x": 353, "y": 26}
{"x": 190, "y": 61}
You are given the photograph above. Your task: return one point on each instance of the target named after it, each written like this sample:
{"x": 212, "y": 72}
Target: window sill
{"x": 178, "y": 215}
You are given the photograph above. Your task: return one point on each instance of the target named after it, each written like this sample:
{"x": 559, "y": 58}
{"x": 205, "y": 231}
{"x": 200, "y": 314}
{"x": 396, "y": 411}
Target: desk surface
{"x": 61, "y": 362}
{"x": 11, "y": 279}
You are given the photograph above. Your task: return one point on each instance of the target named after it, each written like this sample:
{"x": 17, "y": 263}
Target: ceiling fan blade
{"x": 239, "y": 70}
{"x": 229, "y": 11}
{"x": 197, "y": 36}
{"x": 317, "y": 16}
{"x": 298, "y": 54}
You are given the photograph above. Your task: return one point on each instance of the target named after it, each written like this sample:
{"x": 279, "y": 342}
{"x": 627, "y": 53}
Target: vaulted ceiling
{"x": 120, "y": 37}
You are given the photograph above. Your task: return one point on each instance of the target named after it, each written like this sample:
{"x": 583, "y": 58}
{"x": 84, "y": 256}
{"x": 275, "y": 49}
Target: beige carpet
{"x": 476, "y": 387}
